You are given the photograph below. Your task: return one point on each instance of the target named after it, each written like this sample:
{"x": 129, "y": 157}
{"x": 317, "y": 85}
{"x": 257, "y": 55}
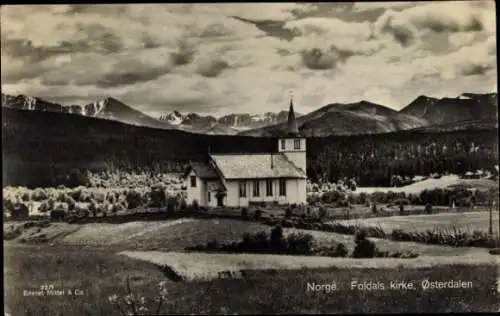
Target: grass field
{"x": 468, "y": 221}
{"x": 176, "y": 235}
{"x": 99, "y": 273}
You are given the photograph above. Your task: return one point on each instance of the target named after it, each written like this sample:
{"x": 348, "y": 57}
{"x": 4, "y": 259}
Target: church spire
{"x": 292, "y": 123}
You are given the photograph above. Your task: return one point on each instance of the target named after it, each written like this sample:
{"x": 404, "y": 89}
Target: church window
{"x": 256, "y": 188}
{"x": 193, "y": 181}
{"x": 243, "y": 189}
{"x": 209, "y": 196}
{"x": 282, "y": 187}
{"x": 269, "y": 187}
{"x": 283, "y": 144}
{"x": 296, "y": 143}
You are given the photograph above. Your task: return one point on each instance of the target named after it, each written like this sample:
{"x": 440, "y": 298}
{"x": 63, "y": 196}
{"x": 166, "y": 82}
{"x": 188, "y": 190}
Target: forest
{"x": 43, "y": 149}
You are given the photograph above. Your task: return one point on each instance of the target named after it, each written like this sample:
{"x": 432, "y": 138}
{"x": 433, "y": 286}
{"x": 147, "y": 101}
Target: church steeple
{"x": 292, "y": 122}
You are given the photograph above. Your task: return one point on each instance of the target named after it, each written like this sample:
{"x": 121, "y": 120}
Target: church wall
{"x": 296, "y": 192}
{"x": 194, "y": 193}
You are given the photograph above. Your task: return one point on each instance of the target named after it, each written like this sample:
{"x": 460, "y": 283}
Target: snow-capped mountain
{"x": 109, "y": 108}
{"x": 227, "y": 124}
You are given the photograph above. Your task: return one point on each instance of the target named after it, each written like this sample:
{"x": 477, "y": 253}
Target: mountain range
{"x": 230, "y": 124}
{"x": 362, "y": 117}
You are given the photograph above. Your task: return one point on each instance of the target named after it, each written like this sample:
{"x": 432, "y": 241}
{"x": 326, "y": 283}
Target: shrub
{"x": 332, "y": 197}
{"x": 379, "y": 197}
{"x": 401, "y": 209}
{"x": 172, "y": 204}
{"x": 322, "y": 212}
{"x": 44, "y": 207}
{"x": 428, "y": 208}
{"x": 300, "y": 243}
{"x": 364, "y": 247}
{"x": 195, "y": 205}
{"x": 342, "y": 203}
{"x": 39, "y": 195}
{"x": 244, "y": 213}
{"x": 134, "y": 199}
{"x": 182, "y": 204}
{"x": 313, "y": 199}
{"x": 58, "y": 215}
{"x": 71, "y": 203}
{"x": 277, "y": 241}
{"x": 158, "y": 197}
{"x": 258, "y": 214}
{"x": 76, "y": 194}
{"x": 117, "y": 207}
{"x": 213, "y": 245}
{"x": 288, "y": 211}
{"x": 19, "y": 211}
{"x": 341, "y": 250}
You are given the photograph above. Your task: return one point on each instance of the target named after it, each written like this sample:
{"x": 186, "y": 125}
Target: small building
{"x": 236, "y": 180}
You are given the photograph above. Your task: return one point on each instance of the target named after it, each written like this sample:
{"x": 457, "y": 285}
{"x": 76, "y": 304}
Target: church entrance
{"x": 220, "y": 200}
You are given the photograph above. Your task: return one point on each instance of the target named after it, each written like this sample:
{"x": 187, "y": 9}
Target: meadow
{"x": 464, "y": 221}
{"x": 99, "y": 274}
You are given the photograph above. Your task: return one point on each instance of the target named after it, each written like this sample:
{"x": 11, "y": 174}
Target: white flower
{"x": 163, "y": 293}
{"x": 113, "y": 298}
{"x": 162, "y": 284}
{"x": 129, "y": 298}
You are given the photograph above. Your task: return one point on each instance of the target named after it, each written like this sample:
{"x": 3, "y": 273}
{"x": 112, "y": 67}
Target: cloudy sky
{"x": 231, "y": 57}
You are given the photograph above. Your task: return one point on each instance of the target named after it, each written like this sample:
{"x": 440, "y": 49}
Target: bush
{"x": 172, "y": 204}
{"x": 331, "y": 197}
{"x": 19, "y": 211}
{"x": 277, "y": 241}
{"x": 364, "y": 247}
{"x": 288, "y": 211}
{"x": 244, "y": 213}
{"x": 313, "y": 199}
{"x": 322, "y": 212}
{"x": 134, "y": 199}
{"x": 300, "y": 243}
{"x": 39, "y": 195}
{"x": 58, "y": 215}
{"x": 76, "y": 194}
{"x": 341, "y": 250}
{"x": 258, "y": 214}
{"x": 195, "y": 205}
{"x": 183, "y": 204}
{"x": 428, "y": 208}
{"x": 158, "y": 197}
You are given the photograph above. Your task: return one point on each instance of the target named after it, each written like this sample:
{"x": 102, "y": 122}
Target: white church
{"x": 236, "y": 180}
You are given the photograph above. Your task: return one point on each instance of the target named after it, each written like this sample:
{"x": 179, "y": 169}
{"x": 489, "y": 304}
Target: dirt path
{"x": 206, "y": 266}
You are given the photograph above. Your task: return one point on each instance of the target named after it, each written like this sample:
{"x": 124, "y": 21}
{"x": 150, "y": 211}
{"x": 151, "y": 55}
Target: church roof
{"x": 202, "y": 170}
{"x": 257, "y": 166}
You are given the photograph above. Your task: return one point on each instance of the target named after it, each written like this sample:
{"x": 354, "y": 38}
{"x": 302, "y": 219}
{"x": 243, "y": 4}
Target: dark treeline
{"x": 48, "y": 149}
{"x": 373, "y": 159}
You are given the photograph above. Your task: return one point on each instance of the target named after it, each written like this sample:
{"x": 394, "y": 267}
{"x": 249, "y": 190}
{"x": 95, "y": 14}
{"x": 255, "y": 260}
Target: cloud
{"x": 219, "y": 58}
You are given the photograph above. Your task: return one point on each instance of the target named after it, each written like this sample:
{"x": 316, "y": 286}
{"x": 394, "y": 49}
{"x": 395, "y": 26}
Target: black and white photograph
{"x": 250, "y": 158}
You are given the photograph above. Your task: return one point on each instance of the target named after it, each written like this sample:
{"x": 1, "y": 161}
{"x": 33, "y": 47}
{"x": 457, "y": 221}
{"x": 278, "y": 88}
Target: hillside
{"x": 109, "y": 108}
{"x": 49, "y": 149}
{"x": 467, "y": 107}
{"x": 346, "y": 119}
{"x": 470, "y": 110}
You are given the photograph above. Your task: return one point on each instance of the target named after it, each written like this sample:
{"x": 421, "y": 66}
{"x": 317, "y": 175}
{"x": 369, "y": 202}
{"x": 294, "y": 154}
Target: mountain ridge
{"x": 363, "y": 117}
